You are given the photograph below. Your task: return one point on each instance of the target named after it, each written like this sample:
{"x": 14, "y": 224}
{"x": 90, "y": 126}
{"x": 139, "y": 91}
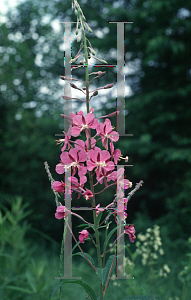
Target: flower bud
{"x": 79, "y": 38}
{"x": 88, "y": 27}
{"x": 73, "y": 86}
{"x": 66, "y": 97}
{"x": 101, "y": 60}
{"x": 74, "y": 59}
{"x": 108, "y": 86}
{"x": 101, "y": 74}
{"x": 95, "y": 93}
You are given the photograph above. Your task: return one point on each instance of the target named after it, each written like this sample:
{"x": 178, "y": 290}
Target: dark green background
{"x": 158, "y": 112}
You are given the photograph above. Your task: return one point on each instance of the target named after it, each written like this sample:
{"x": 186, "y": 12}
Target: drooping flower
{"x": 115, "y": 154}
{"x": 83, "y": 235}
{"x": 88, "y": 194}
{"x": 130, "y": 230}
{"x": 61, "y": 211}
{"x": 76, "y": 186}
{"x": 99, "y": 209}
{"x": 118, "y": 177}
{"x": 58, "y": 186}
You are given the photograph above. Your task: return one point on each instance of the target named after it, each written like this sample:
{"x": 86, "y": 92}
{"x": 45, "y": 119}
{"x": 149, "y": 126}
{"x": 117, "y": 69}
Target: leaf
{"x": 137, "y": 297}
{"x": 104, "y": 273}
{"x": 88, "y": 256}
{"x": 75, "y": 246}
{"x": 99, "y": 217}
{"x": 17, "y": 288}
{"x": 86, "y": 287}
{"x": 111, "y": 232}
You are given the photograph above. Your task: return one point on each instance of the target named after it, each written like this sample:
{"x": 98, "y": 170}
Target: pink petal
{"x": 82, "y": 155}
{"x": 77, "y": 121}
{"x": 82, "y": 170}
{"x": 79, "y": 144}
{"x": 65, "y": 158}
{"x": 74, "y": 153}
{"x": 89, "y": 118}
{"x": 75, "y": 131}
{"x": 90, "y": 165}
{"x": 60, "y": 168}
{"x": 104, "y": 155}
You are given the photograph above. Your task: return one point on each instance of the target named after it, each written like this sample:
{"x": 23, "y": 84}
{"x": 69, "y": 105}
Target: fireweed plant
{"x": 85, "y": 158}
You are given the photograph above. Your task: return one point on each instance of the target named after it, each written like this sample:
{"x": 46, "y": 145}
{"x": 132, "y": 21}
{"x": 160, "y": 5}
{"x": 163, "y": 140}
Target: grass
{"x": 28, "y": 270}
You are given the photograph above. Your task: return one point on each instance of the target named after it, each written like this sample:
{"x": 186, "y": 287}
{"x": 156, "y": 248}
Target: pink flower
{"x": 81, "y": 123}
{"x": 99, "y": 159}
{"x": 121, "y": 209}
{"x": 61, "y": 211}
{"x": 75, "y": 185}
{"x": 88, "y": 194}
{"x": 58, "y": 186}
{"x": 83, "y": 236}
{"x": 105, "y": 130}
{"x": 67, "y": 139}
{"x": 118, "y": 176}
{"x": 72, "y": 159}
{"x": 114, "y": 154}
{"x": 81, "y": 145}
{"x": 98, "y": 210}
{"x": 130, "y": 230}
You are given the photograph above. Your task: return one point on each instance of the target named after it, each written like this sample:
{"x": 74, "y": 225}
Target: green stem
{"x": 61, "y": 260}
{"x": 105, "y": 245}
{"x": 90, "y": 173}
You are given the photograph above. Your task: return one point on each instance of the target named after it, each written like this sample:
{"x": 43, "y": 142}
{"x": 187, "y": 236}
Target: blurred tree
{"x": 157, "y": 48}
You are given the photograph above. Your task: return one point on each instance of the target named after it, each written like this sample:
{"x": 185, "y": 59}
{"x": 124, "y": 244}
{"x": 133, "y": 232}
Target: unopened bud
{"x": 101, "y": 74}
{"x": 76, "y": 12}
{"x": 79, "y": 38}
{"x": 92, "y": 51}
{"x": 95, "y": 93}
{"x": 73, "y": 86}
{"x": 108, "y": 86}
{"x": 101, "y": 60}
{"x": 88, "y": 27}
{"x": 74, "y": 59}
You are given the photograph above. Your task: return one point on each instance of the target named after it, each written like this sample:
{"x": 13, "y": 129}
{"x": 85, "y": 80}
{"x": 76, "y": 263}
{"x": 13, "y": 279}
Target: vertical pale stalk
{"x": 90, "y": 173}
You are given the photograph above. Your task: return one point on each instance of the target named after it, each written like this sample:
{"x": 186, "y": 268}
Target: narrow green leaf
{"x": 86, "y": 287}
{"x": 110, "y": 234}
{"x": 75, "y": 246}
{"x": 137, "y": 297}
{"x": 88, "y": 256}
{"x": 99, "y": 217}
{"x": 17, "y": 288}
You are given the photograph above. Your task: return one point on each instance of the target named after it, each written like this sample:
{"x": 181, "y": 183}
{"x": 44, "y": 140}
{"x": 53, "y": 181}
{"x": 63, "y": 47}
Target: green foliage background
{"x": 157, "y": 111}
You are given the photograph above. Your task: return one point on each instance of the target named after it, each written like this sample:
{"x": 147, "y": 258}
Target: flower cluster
{"x": 149, "y": 245}
{"x": 82, "y": 157}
